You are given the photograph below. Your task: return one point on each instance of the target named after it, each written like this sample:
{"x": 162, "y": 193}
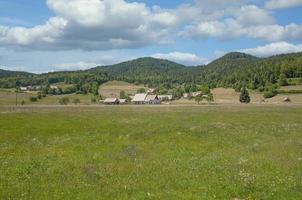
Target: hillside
{"x": 232, "y": 70}
{"x": 147, "y": 70}
{"x": 7, "y": 73}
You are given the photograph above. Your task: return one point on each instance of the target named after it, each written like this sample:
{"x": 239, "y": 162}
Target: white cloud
{"x": 251, "y": 15}
{"x": 182, "y": 58}
{"x": 273, "y": 49}
{"x": 280, "y": 4}
{"x": 95, "y": 25}
{"x": 75, "y": 66}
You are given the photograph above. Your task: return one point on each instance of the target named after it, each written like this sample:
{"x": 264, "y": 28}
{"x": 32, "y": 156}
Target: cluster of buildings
{"x": 140, "y": 99}
{"x": 31, "y": 88}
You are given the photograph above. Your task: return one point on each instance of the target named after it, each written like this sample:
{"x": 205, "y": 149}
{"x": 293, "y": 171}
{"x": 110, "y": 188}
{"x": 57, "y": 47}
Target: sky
{"x": 53, "y": 35}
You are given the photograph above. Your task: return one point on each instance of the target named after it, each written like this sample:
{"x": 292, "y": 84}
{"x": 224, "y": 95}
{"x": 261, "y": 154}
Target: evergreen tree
{"x": 244, "y": 96}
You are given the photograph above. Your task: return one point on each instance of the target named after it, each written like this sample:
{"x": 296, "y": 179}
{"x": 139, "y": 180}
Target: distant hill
{"x": 232, "y": 70}
{"x": 147, "y": 70}
{"x": 7, "y": 73}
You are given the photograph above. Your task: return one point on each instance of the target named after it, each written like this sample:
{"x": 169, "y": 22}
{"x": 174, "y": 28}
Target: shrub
{"x": 33, "y": 99}
{"x": 64, "y": 100}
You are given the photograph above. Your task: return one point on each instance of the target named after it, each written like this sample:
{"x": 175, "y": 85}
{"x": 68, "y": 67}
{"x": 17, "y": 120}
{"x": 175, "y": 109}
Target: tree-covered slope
{"x": 148, "y": 70}
{"x": 232, "y": 70}
{"x": 7, "y": 73}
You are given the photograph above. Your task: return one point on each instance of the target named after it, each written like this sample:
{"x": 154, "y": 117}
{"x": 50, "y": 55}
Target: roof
{"x": 110, "y": 100}
{"x": 139, "y": 97}
{"x": 151, "y": 97}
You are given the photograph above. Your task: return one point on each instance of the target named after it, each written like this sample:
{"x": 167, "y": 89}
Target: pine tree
{"x": 244, "y": 96}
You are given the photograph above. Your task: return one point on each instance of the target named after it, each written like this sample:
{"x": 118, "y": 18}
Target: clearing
{"x": 184, "y": 152}
{"x": 113, "y": 88}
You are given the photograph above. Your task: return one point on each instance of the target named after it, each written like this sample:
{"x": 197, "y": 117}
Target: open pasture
{"x": 161, "y": 152}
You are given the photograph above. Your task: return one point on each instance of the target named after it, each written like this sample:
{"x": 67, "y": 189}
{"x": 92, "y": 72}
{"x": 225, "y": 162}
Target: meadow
{"x": 159, "y": 152}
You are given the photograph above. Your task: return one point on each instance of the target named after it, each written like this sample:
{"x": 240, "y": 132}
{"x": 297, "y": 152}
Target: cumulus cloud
{"x": 182, "y": 58}
{"x": 95, "y": 25}
{"x": 117, "y": 24}
{"x": 281, "y": 4}
{"x": 273, "y": 49}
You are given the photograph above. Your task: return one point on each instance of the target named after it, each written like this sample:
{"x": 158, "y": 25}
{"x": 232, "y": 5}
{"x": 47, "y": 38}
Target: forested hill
{"x": 149, "y": 71}
{"x": 236, "y": 69}
{"x": 7, "y": 73}
{"x": 232, "y": 70}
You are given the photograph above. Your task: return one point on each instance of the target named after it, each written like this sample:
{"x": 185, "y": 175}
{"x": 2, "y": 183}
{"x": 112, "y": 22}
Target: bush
{"x": 33, "y": 99}
{"x": 64, "y": 100}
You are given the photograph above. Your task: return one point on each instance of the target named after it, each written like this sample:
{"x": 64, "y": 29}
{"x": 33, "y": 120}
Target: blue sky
{"x": 51, "y": 35}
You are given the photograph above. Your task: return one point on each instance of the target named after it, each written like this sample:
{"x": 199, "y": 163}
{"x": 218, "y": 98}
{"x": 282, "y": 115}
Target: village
{"x": 148, "y": 98}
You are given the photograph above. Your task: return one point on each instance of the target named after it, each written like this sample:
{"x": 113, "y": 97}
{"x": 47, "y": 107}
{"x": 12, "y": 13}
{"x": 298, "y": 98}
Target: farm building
{"x": 111, "y": 101}
{"x": 165, "y": 97}
{"x": 139, "y": 98}
{"x": 152, "y": 99}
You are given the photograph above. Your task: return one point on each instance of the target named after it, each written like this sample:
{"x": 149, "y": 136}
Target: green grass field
{"x": 178, "y": 152}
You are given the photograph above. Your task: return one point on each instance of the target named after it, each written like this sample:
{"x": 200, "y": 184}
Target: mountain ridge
{"x": 231, "y": 70}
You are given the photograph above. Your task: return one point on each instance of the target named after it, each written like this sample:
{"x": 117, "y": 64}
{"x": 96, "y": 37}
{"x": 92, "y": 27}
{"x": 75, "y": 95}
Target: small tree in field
{"x": 245, "y": 96}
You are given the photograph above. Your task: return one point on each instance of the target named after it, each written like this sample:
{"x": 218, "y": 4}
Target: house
{"x": 53, "y": 87}
{"x": 111, "y": 101}
{"x": 123, "y": 101}
{"x": 139, "y": 98}
{"x": 152, "y": 99}
{"x": 23, "y": 88}
{"x": 165, "y": 97}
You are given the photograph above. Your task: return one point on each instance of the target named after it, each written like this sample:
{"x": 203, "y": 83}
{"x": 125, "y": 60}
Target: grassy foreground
{"x": 151, "y": 153}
